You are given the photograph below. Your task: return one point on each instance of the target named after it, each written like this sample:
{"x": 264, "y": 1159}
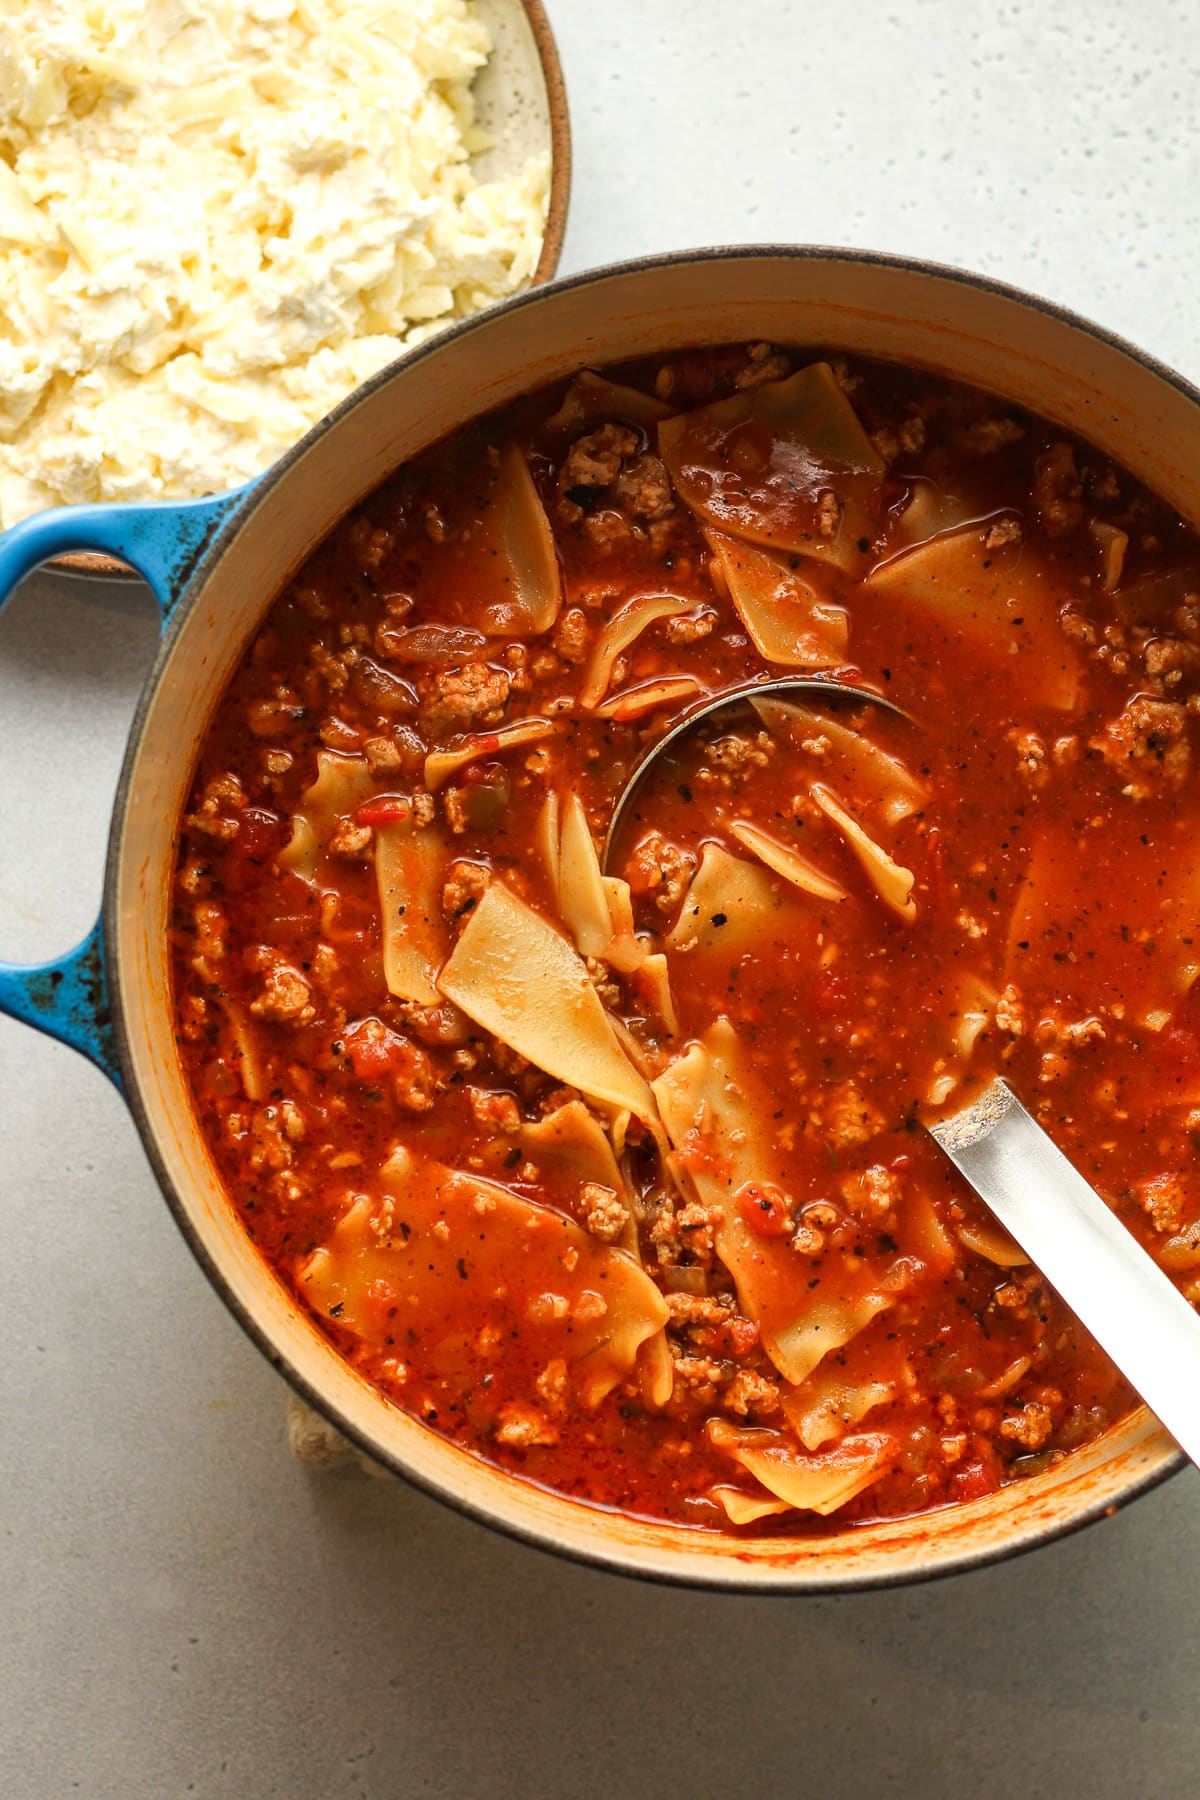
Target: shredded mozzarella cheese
{"x": 217, "y": 217}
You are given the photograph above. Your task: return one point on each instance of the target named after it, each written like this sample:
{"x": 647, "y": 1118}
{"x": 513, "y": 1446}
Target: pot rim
{"x": 722, "y": 1577}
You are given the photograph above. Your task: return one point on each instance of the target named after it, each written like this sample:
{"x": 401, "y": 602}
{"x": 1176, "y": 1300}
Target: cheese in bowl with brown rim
{"x": 217, "y": 219}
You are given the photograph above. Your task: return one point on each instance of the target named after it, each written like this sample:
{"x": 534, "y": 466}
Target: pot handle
{"x": 68, "y": 997}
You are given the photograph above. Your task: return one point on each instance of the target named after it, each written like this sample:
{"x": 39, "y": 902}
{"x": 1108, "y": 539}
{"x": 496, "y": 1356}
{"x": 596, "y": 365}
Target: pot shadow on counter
{"x": 1081, "y": 1656}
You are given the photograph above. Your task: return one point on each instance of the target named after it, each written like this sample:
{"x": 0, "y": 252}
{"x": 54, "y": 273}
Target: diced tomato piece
{"x": 374, "y": 1051}
{"x": 260, "y": 833}
{"x": 764, "y": 1210}
{"x": 734, "y": 1338}
{"x": 972, "y": 1482}
{"x": 383, "y": 810}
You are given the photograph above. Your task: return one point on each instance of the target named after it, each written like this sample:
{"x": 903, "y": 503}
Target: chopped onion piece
{"x": 891, "y": 881}
{"x": 653, "y": 982}
{"x": 546, "y": 837}
{"x": 1112, "y": 544}
{"x": 924, "y": 1234}
{"x": 639, "y": 612}
{"x": 931, "y": 511}
{"x": 440, "y": 763}
{"x": 247, "y": 1050}
{"x": 785, "y": 861}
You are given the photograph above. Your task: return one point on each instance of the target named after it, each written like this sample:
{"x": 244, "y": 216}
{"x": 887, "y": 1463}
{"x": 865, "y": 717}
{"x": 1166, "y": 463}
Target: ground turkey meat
{"x": 1170, "y": 661}
{"x": 751, "y": 1393}
{"x": 983, "y": 437}
{"x": 662, "y": 869}
{"x": 466, "y": 884}
{"x": 1148, "y": 741}
{"x": 689, "y": 628}
{"x": 643, "y": 489}
{"x": 524, "y": 1426}
{"x": 1030, "y": 1427}
{"x": 609, "y": 460}
{"x": 1163, "y": 1198}
{"x": 494, "y": 1112}
{"x": 572, "y": 635}
{"x": 286, "y": 998}
{"x": 698, "y": 1309}
{"x": 415, "y": 1082}
{"x": 850, "y": 1118}
{"x": 595, "y": 461}
{"x": 763, "y": 363}
{"x": 604, "y": 1212}
{"x": 1057, "y": 490}
{"x": 350, "y": 840}
{"x": 456, "y": 699}
{"x": 874, "y": 1193}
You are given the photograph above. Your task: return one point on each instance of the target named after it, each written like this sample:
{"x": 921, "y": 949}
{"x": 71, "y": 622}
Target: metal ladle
{"x": 823, "y": 690}
{"x": 1098, "y": 1267}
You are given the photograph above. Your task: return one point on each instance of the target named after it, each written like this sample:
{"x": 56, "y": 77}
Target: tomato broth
{"x": 614, "y": 1171}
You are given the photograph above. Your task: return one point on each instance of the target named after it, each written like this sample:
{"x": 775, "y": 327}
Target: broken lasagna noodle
{"x": 607, "y": 1167}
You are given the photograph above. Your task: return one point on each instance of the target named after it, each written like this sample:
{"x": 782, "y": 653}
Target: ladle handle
{"x": 1130, "y": 1307}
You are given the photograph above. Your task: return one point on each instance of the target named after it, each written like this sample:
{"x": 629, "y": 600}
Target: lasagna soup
{"x": 605, "y": 1159}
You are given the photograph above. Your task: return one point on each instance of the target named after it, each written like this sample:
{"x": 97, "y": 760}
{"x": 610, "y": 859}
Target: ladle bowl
{"x": 825, "y": 690}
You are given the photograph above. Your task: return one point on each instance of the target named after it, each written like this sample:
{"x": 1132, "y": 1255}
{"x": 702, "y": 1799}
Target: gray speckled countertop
{"x": 185, "y": 1610}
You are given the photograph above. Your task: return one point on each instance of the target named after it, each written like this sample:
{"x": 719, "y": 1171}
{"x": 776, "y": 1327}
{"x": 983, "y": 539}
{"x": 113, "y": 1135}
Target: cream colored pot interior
{"x": 1026, "y": 353}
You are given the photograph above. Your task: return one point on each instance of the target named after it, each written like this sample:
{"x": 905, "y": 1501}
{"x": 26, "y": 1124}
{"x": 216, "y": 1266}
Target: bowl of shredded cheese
{"x": 218, "y": 217}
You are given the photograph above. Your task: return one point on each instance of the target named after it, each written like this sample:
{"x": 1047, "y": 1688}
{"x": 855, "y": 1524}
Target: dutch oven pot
{"x": 215, "y": 565}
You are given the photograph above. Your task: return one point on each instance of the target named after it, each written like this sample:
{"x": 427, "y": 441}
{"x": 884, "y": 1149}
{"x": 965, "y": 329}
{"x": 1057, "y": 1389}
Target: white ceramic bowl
{"x": 218, "y": 565}
{"x": 521, "y": 103}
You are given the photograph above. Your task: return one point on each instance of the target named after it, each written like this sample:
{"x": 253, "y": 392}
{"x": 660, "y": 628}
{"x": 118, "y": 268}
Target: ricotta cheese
{"x": 217, "y": 217}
